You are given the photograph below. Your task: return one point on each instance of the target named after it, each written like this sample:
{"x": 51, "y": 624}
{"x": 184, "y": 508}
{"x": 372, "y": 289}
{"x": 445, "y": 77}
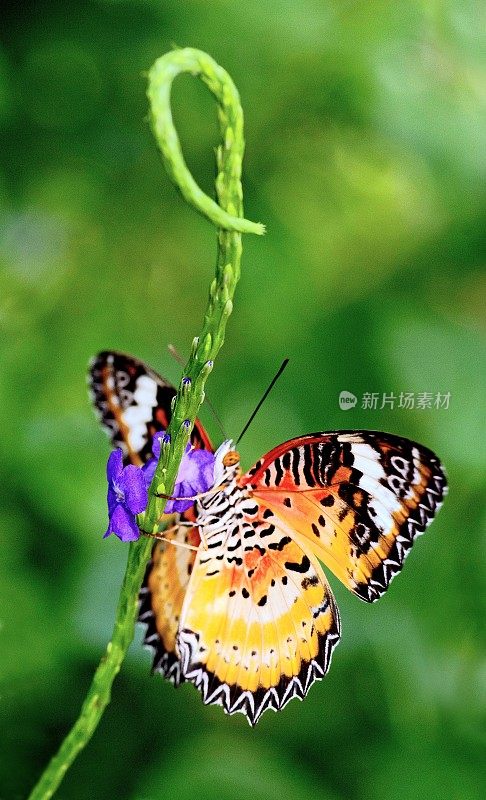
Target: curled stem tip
{"x": 226, "y": 214}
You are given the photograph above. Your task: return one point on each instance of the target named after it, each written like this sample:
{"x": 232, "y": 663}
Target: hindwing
{"x": 162, "y": 595}
{"x": 259, "y": 621}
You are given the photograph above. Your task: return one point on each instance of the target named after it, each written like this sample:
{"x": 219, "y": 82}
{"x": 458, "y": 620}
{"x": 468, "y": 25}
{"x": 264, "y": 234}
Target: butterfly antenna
{"x": 175, "y": 354}
{"x": 257, "y": 409}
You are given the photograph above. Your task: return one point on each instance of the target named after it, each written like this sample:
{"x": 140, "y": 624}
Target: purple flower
{"x": 196, "y": 474}
{"x": 127, "y": 496}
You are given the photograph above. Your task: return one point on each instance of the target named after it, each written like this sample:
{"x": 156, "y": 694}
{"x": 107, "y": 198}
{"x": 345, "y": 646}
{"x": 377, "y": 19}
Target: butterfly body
{"x": 247, "y": 614}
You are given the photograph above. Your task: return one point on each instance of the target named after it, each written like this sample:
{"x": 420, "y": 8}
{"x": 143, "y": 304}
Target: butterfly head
{"x": 231, "y": 458}
{"x": 227, "y": 463}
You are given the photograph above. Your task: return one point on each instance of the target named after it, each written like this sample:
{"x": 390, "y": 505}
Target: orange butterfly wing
{"x": 259, "y": 622}
{"x": 358, "y": 499}
{"x": 162, "y": 595}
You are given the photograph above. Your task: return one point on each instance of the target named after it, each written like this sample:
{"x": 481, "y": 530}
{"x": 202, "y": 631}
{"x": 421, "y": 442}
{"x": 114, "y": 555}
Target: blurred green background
{"x": 365, "y": 132}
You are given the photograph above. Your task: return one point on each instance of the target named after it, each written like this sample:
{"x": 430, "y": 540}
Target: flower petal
{"x": 197, "y": 468}
{"x": 123, "y": 525}
{"x": 205, "y": 461}
{"x": 148, "y": 470}
{"x": 196, "y": 475}
{"x": 114, "y": 465}
{"x": 181, "y": 489}
{"x": 112, "y": 499}
{"x": 132, "y": 484}
{"x": 156, "y": 443}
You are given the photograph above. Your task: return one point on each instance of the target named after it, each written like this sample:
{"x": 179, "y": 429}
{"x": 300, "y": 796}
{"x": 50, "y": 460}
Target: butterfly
{"x": 242, "y": 608}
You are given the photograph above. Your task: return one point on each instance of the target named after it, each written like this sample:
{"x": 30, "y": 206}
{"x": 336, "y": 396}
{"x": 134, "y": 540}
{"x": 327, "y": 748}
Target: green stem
{"x": 228, "y": 217}
{"x": 99, "y": 693}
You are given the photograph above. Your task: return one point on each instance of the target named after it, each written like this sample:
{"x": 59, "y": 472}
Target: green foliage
{"x": 365, "y": 157}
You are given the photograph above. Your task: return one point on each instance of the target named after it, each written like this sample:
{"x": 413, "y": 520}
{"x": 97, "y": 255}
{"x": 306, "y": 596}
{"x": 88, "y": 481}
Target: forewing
{"x": 259, "y": 621}
{"x": 133, "y": 403}
{"x": 358, "y": 498}
{"x": 162, "y": 595}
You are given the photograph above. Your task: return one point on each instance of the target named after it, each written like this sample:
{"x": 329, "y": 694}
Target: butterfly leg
{"x": 204, "y": 541}
{"x": 198, "y": 496}
{"x": 161, "y": 537}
